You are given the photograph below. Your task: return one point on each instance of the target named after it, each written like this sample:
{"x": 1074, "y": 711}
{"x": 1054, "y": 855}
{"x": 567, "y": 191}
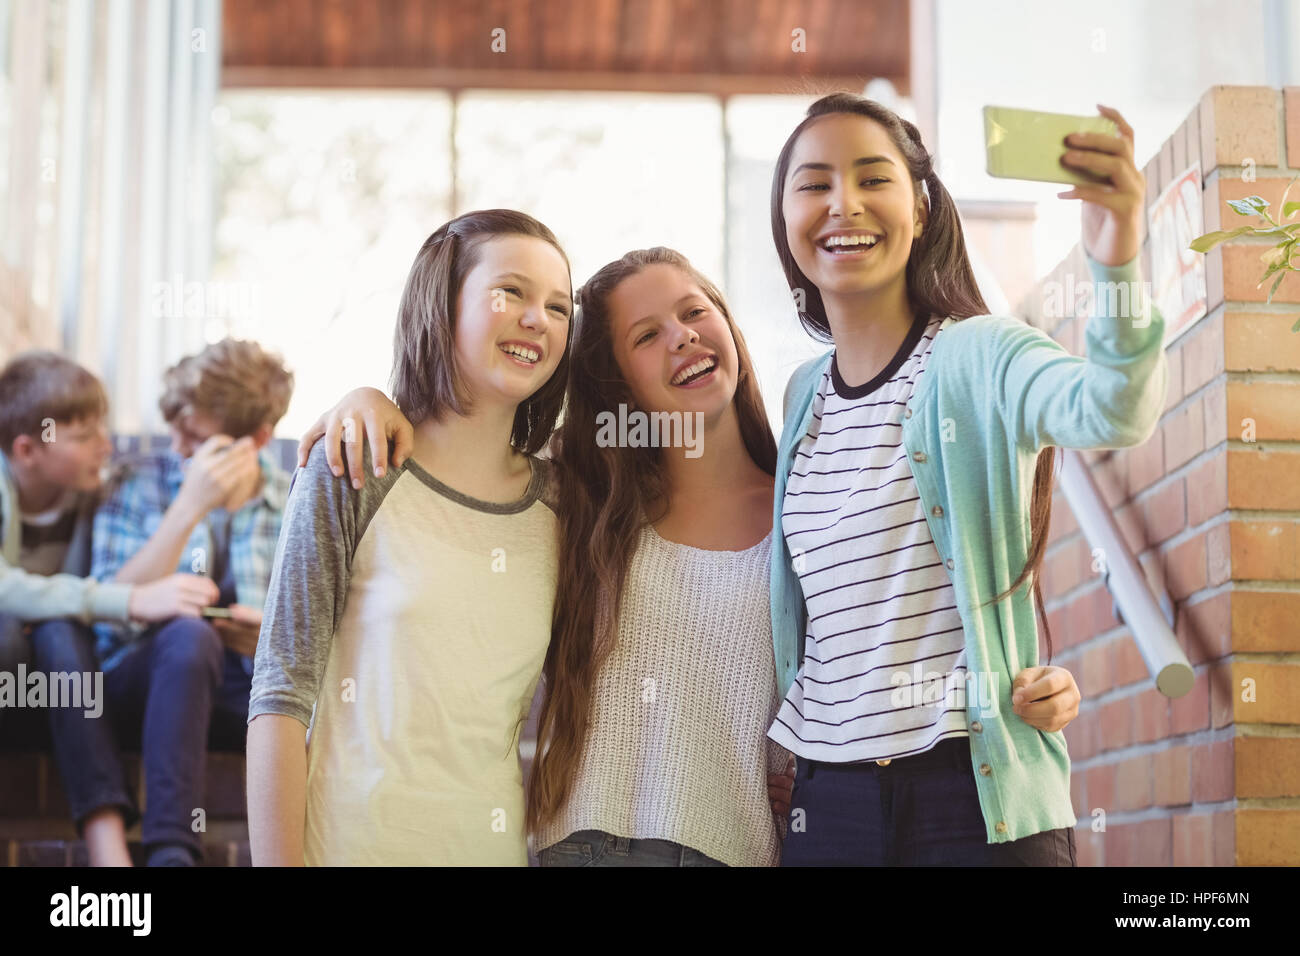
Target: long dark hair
{"x": 939, "y": 277}
{"x": 606, "y": 495}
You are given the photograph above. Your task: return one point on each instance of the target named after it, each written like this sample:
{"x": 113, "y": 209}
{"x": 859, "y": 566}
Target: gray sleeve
{"x": 323, "y": 521}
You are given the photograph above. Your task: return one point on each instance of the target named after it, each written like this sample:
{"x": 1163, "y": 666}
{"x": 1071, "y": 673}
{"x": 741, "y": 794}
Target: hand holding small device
{"x": 1027, "y": 144}
{"x": 239, "y": 627}
{"x": 1094, "y": 154}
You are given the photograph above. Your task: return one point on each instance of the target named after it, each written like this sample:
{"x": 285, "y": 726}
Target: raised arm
{"x": 1114, "y": 397}
{"x": 362, "y": 413}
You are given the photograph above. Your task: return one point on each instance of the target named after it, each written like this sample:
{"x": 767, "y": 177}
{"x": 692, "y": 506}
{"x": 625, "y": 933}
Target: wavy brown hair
{"x": 426, "y": 382}
{"x": 237, "y": 382}
{"x": 940, "y": 281}
{"x": 606, "y": 496}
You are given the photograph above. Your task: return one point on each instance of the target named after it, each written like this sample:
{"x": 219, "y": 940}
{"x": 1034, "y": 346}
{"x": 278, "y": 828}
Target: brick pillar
{"x": 1213, "y": 512}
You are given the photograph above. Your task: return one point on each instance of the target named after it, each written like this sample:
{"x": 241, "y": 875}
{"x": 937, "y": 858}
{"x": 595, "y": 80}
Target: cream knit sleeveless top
{"x": 677, "y": 745}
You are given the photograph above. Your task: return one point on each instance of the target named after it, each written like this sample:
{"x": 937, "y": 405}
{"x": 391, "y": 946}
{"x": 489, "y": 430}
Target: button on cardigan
{"x": 997, "y": 391}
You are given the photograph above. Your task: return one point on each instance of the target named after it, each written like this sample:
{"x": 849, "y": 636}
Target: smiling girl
{"x": 913, "y": 487}
{"x": 659, "y": 681}
{"x": 408, "y": 620}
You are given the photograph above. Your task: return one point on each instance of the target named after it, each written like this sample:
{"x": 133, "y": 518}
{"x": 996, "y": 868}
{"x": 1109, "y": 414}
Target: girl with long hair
{"x": 407, "y": 621}
{"x": 913, "y": 492}
{"x": 659, "y": 680}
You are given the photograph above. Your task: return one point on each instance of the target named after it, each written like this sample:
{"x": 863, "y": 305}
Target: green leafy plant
{"x": 1280, "y": 258}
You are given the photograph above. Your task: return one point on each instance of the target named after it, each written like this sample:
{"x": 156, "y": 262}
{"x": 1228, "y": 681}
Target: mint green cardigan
{"x": 994, "y": 393}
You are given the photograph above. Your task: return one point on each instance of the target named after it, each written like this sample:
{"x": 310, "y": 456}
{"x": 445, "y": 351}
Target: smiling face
{"x": 672, "y": 344}
{"x": 851, "y": 208}
{"x": 512, "y": 319}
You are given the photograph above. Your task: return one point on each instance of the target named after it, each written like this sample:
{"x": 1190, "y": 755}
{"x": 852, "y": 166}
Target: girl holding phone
{"x": 913, "y": 490}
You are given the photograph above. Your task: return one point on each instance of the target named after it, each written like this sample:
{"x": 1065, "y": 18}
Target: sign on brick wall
{"x": 1178, "y": 273}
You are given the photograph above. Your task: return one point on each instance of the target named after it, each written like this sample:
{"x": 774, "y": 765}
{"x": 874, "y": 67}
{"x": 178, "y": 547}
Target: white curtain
{"x": 134, "y": 83}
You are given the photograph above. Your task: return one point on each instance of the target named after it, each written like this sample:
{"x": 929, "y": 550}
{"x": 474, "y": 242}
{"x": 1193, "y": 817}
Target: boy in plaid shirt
{"x": 212, "y": 505}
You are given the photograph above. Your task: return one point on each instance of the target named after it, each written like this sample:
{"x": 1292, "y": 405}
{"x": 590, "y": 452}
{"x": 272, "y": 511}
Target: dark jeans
{"x": 14, "y": 650}
{"x": 598, "y": 848}
{"x": 85, "y": 747}
{"x": 918, "y": 811}
{"x": 177, "y": 691}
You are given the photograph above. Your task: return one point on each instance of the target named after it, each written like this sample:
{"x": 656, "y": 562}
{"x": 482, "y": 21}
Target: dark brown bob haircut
{"x": 426, "y": 382}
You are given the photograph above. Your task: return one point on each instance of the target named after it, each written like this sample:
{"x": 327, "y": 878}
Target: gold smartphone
{"x": 1026, "y": 144}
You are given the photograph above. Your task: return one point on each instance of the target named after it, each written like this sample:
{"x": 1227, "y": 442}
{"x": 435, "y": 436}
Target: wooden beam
{"x": 587, "y": 81}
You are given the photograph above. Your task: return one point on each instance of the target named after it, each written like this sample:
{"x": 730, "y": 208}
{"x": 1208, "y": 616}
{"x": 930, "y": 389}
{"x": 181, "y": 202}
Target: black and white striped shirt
{"x": 884, "y": 671}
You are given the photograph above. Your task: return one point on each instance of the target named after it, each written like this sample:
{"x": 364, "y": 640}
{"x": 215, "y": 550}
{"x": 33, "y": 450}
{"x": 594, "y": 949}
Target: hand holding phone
{"x": 1113, "y": 212}
{"x": 1093, "y": 154}
{"x": 1026, "y": 144}
{"x": 239, "y": 627}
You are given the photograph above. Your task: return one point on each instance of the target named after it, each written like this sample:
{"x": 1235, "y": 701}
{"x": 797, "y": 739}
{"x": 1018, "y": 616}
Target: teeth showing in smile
{"x": 694, "y": 370}
{"x": 527, "y": 355}
{"x": 849, "y": 243}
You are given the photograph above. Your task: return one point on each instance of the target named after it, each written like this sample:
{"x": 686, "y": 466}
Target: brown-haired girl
{"x": 913, "y": 488}
{"x": 659, "y": 680}
{"x": 408, "y": 620}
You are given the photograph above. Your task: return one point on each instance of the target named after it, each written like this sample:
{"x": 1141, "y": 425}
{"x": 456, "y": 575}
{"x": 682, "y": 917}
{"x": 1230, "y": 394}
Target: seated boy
{"x": 211, "y": 506}
{"x": 53, "y": 449}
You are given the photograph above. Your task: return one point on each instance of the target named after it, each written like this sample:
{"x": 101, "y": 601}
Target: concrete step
{"x": 44, "y": 841}
{"x": 30, "y": 786}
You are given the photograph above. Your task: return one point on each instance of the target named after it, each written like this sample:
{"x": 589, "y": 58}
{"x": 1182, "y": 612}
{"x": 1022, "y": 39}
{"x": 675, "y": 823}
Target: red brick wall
{"x": 1208, "y": 778}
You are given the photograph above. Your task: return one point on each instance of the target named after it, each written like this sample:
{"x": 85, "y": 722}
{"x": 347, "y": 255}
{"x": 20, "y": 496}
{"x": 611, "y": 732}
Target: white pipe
{"x": 1155, "y": 640}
